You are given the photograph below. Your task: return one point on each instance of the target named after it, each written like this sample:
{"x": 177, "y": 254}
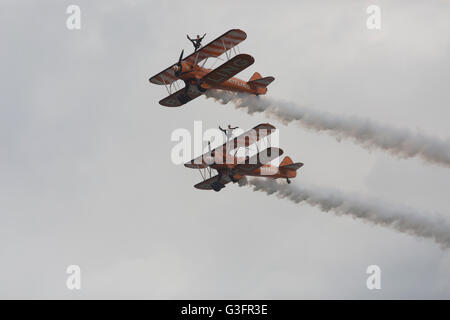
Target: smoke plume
{"x": 401, "y": 143}
{"x": 402, "y": 219}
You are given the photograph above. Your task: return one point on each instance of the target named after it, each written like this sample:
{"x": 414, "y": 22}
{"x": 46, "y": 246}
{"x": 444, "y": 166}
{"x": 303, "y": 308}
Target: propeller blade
{"x": 178, "y": 65}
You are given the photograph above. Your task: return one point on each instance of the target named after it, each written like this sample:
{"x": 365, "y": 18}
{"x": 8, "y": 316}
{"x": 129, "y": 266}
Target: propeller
{"x": 178, "y": 69}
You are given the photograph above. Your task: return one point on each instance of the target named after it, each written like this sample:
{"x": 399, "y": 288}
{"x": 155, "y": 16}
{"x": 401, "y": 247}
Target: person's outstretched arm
{"x": 224, "y": 131}
{"x": 234, "y": 128}
{"x": 188, "y": 37}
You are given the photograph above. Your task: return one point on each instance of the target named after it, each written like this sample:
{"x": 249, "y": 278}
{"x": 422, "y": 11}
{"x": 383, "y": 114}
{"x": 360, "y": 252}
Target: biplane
{"x": 231, "y": 168}
{"x": 198, "y": 79}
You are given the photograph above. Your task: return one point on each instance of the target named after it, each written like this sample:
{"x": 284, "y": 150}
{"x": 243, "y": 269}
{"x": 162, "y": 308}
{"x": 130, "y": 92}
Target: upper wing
{"x": 180, "y": 97}
{"x": 258, "y": 160}
{"x": 244, "y": 140}
{"x": 252, "y": 136}
{"x": 218, "y": 46}
{"x": 228, "y": 69}
{"x": 165, "y": 77}
{"x": 213, "y": 49}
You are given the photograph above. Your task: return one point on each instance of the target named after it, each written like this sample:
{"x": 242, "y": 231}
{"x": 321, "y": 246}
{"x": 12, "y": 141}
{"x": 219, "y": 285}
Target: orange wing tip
{"x": 266, "y": 126}
{"x": 195, "y": 166}
{"x": 202, "y": 187}
{"x": 169, "y": 104}
{"x": 238, "y": 33}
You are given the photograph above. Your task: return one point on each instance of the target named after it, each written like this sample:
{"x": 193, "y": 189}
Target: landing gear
{"x": 288, "y": 180}
{"x": 231, "y": 175}
{"x": 187, "y": 85}
{"x": 183, "y": 98}
{"x": 200, "y": 88}
{"x": 217, "y": 186}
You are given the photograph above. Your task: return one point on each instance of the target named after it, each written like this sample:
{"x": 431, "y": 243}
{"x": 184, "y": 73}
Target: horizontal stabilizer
{"x": 293, "y": 166}
{"x": 261, "y": 82}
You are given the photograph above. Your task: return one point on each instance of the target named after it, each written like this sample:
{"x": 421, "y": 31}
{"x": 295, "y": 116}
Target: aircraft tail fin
{"x": 255, "y": 76}
{"x": 286, "y": 160}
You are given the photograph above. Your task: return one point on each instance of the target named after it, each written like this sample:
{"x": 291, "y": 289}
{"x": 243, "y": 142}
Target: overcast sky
{"x": 86, "y": 176}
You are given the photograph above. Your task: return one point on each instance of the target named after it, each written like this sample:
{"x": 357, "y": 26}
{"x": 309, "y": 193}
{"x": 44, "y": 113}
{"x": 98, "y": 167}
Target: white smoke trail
{"x": 399, "y": 218}
{"x": 398, "y": 142}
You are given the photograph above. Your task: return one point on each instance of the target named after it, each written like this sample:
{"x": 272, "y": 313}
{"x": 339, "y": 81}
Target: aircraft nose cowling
{"x": 208, "y": 160}
{"x": 175, "y": 68}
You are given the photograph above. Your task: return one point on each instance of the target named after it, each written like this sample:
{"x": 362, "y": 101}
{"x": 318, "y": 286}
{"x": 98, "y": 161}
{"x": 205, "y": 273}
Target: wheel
{"x": 183, "y": 98}
{"x": 231, "y": 175}
{"x": 200, "y": 88}
{"x": 232, "y": 178}
{"x": 217, "y": 186}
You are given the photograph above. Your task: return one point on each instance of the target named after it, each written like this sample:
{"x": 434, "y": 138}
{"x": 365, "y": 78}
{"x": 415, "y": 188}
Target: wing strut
{"x": 225, "y": 49}
{"x": 206, "y": 173}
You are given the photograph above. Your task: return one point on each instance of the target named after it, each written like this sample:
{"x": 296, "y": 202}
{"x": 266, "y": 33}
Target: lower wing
{"x": 180, "y": 97}
{"x": 207, "y": 184}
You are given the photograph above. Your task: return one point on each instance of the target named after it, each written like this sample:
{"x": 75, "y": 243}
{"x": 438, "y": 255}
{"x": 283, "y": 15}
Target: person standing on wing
{"x": 197, "y": 42}
{"x": 228, "y": 132}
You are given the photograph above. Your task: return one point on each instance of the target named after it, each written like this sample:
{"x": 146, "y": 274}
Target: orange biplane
{"x": 232, "y": 168}
{"x": 199, "y": 79}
